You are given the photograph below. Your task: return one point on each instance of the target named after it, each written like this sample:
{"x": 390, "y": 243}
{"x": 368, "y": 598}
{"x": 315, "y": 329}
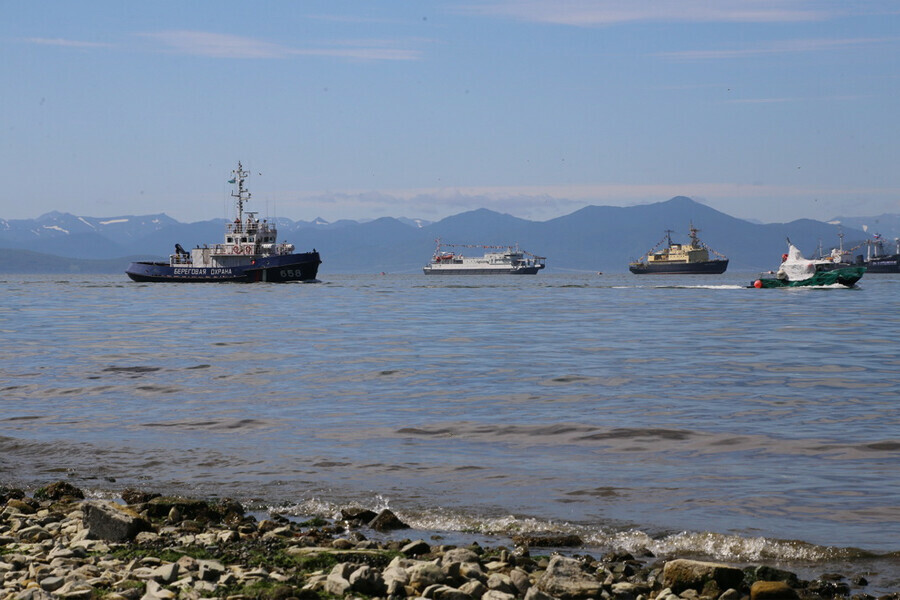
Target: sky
{"x": 768, "y": 110}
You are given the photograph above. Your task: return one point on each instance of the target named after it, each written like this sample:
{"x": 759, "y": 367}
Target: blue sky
{"x": 764, "y": 109}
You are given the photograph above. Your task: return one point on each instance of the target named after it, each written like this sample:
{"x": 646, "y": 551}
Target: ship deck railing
{"x": 251, "y": 227}
{"x": 228, "y": 249}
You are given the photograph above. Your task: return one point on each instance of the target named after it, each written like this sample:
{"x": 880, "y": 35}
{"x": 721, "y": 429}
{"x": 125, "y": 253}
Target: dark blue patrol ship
{"x": 250, "y": 252}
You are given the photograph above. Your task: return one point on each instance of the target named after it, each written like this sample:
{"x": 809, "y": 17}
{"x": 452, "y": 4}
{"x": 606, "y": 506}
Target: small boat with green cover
{"x": 797, "y": 271}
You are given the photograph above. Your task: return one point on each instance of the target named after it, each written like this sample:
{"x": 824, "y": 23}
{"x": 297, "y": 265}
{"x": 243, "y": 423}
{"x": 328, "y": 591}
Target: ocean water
{"x": 687, "y": 415}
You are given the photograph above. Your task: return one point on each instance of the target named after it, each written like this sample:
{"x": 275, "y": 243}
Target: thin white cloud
{"x": 762, "y": 100}
{"x": 364, "y": 53}
{"x": 778, "y": 47}
{"x": 354, "y": 19}
{"x": 218, "y": 45}
{"x": 66, "y": 43}
{"x": 592, "y": 13}
{"x": 364, "y": 50}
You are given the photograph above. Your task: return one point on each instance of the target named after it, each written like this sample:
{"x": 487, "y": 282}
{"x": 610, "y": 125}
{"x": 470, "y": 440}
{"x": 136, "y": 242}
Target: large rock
{"x": 521, "y": 580}
{"x": 165, "y": 574}
{"x": 338, "y": 581}
{"x": 547, "y": 540}
{"x": 34, "y": 533}
{"x": 395, "y": 579}
{"x": 772, "y": 590}
{"x": 461, "y": 555}
{"x": 51, "y": 584}
{"x": 20, "y": 506}
{"x": 61, "y": 490}
{"x": 113, "y": 523}
{"x": 6, "y": 493}
{"x": 535, "y": 594}
{"x": 497, "y": 595}
{"x": 683, "y": 574}
{"x": 423, "y": 574}
{"x": 210, "y": 570}
{"x": 361, "y": 515}
{"x": 476, "y": 589}
{"x": 189, "y": 509}
{"x": 386, "y": 520}
{"x": 767, "y": 573}
{"x": 501, "y": 583}
{"x": 626, "y": 590}
{"x": 367, "y": 581}
{"x": 566, "y": 579}
{"x": 133, "y": 496}
{"x": 445, "y": 592}
{"x": 416, "y": 548}
{"x": 155, "y": 591}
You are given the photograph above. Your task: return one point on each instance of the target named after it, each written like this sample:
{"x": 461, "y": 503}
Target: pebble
{"x": 185, "y": 549}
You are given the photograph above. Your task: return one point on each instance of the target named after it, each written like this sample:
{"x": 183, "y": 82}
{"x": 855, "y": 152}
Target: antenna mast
{"x": 242, "y": 195}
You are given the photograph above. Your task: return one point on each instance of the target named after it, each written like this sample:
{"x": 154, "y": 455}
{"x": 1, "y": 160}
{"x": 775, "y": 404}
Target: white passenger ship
{"x": 504, "y": 260}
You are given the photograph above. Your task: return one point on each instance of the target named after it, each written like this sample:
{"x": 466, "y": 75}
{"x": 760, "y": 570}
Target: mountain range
{"x": 594, "y": 238}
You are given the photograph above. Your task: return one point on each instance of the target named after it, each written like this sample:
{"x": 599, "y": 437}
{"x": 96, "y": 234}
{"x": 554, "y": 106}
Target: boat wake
{"x": 677, "y": 287}
{"x": 698, "y": 287}
{"x": 833, "y": 286}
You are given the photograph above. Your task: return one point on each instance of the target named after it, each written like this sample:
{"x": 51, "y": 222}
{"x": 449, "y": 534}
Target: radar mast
{"x": 242, "y": 195}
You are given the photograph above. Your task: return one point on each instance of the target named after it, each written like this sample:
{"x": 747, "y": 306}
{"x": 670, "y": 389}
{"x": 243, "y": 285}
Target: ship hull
{"x": 484, "y": 271}
{"x": 883, "y": 264}
{"x": 846, "y": 277}
{"x": 272, "y": 269}
{"x": 710, "y": 267}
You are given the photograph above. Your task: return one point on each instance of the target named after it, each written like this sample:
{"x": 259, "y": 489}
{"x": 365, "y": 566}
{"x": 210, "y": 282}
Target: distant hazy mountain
{"x": 595, "y": 238}
{"x": 414, "y": 222}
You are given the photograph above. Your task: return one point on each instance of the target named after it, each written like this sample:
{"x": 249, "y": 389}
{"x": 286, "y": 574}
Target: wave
{"x": 453, "y": 526}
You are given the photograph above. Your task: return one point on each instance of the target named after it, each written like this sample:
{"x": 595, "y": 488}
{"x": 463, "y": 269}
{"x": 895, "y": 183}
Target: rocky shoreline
{"x": 56, "y": 544}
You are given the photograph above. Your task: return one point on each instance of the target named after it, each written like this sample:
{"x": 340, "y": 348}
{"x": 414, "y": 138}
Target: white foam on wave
{"x": 506, "y": 525}
{"x": 318, "y": 507}
{"x": 718, "y": 546}
{"x": 725, "y": 547}
{"x": 729, "y": 548}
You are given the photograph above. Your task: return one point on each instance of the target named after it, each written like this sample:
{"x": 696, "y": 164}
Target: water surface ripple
{"x": 619, "y": 406}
